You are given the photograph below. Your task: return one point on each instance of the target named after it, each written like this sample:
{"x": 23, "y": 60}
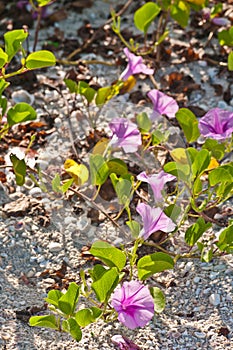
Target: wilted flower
{"x": 135, "y": 66}
{"x": 162, "y": 104}
{"x": 134, "y": 304}
{"x": 154, "y": 220}
{"x": 125, "y": 135}
{"x": 124, "y": 343}
{"x": 218, "y": 21}
{"x": 157, "y": 182}
{"x": 216, "y": 124}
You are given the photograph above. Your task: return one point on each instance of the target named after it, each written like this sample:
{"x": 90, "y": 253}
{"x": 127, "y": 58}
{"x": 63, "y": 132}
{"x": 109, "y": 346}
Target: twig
{"x": 39, "y": 11}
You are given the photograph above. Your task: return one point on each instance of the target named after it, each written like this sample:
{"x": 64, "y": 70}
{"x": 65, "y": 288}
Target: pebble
{"x": 214, "y": 299}
{"x": 196, "y": 279}
{"x": 69, "y": 219}
{"x": 199, "y": 335}
{"x": 213, "y": 275}
{"x": 55, "y": 247}
{"x": 35, "y": 191}
{"x": 188, "y": 266}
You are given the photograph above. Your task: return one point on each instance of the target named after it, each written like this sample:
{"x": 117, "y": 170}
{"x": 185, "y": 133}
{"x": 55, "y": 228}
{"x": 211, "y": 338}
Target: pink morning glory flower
{"x": 133, "y": 303}
{"x": 125, "y": 135}
{"x": 157, "y": 182}
{"x": 124, "y": 343}
{"x": 135, "y": 66}
{"x": 154, "y": 220}
{"x": 216, "y": 124}
{"x": 162, "y": 104}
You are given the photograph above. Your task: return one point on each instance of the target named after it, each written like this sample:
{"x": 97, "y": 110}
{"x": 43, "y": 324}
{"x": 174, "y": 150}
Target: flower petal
{"x": 162, "y": 104}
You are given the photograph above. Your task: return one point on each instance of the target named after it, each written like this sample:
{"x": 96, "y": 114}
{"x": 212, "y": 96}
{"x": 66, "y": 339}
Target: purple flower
{"x": 216, "y": 124}
{"x": 154, "y": 220}
{"x": 134, "y": 304}
{"x": 220, "y": 21}
{"x": 124, "y": 343}
{"x": 162, "y": 104}
{"x": 157, "y": 182}
{"x": 125, "y": 135}
{"x": 135, "y": 66}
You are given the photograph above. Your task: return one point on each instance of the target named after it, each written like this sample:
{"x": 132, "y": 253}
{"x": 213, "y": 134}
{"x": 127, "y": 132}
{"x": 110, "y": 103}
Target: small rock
{"x": 69, "y": 219}
{"x": 188, "y": 266}
{"x": 55, "y": 247}
{"x": 220, "y": 267}
{"x": 214, "y": 299}
{"x": 35, "y": 191}
{"x": 40, "y": 258}
{"x": 199, "y": 335}
{"x": 214, "y": 275}
{"x": 196, "y": 279}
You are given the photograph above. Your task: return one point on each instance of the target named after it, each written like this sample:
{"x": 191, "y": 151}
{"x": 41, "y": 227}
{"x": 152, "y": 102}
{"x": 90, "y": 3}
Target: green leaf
{"x": 97, "y": 272}
{"x": 122, "y": 187}
{"x": 180, "y": 12}
{"x": 143, "y": 121}
{"x": 134, "y": 228}
{"x": 197, "y": 186}
{"x": 3, "y": 58}
{"x": 222, "y": 174}
{"x": 225, "y": 240}
{"x": 230, "y": 61}
{"x": 53, "y": 297}
{"x": 117, "y": 166}
{"x": 56, "y": 183}
{"x": 201, "y": 162}
{"x": 3, "y": 105}
{"x": 67, "y": 303}
{"x": 72, "y": 85}
{"x": 71, "y": 326}
{"x": 102, "y": 95}
{"x": 40, "y": 59}
{"x": 145, "y": 15}
{"x": 46, "y": 321}
{"x": 159, "y": 137}
{"x": 189, "y": 124}
{"x": 21, "y": 112}
{"x": 105, "y": 285}
{"x": 195, "y": 231}
{"x": 99, "y": 169}
{"x": 110, "y": 255}
{"x": 3, "y": 85}
{"x": 86, "y": 316}
{"x": 67, "y": 185}
{"x": 225, "y": 37}
{"x": 148, "y": 265}
{"x": 181, "y": 171}
{"x": 173, "y": 211}
{"x": 85, "y": 90}
{"x": 216, "y": 149}
{"x": 19, "y": 168}
{"x": 13, "y": 42}
{"x": 159, "y": 299}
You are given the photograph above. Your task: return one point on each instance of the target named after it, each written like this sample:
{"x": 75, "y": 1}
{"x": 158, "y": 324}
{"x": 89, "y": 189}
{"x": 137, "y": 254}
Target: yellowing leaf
{"x": 128, "y": 85}
{"x": 79, "y": 172}
{"x": 179, "y": 155}
{"x": 213, "y": 164}
{"x": 101, "y": 146}
{"x": 197, "y": 2}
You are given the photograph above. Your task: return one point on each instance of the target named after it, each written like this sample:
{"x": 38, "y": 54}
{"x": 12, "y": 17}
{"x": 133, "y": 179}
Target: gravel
{"x": 198, "y": 313}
